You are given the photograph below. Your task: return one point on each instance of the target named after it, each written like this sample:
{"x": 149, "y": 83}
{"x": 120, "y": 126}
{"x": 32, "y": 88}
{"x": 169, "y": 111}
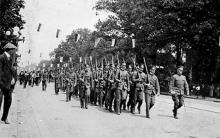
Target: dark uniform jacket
{"x": 6, "y": 72}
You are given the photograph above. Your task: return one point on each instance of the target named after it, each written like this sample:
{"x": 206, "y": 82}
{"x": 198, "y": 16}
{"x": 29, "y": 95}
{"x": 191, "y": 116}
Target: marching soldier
{"x": 73, "y": 82}
{"x": 122, "y": 79}
{"x": 110, "y": 88}
{"x": 131, "y": 89}
{"x": 44, "y": 81}
{"x": 86, "y": 79}
{"x": 56, "y": 79}
{"x": 178, "y": 85}
{"x": 101, "y": 88}
{"x": 138, "y": 79}
{"x": 152, "y": 89}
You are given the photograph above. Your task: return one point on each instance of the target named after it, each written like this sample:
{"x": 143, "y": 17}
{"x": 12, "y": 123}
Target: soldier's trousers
{"x": 101, "y": 96}
{"x": 150, "y": 101}
{"x": 120, "y": 99}
{"x": 44, "y": 85}
{"x": 118, "y": 95}
{"x": 138, "y": 99}
{"x": 178, "y": 102}
{"x": 95, "y": 96}
{"x": 84, "y": 98}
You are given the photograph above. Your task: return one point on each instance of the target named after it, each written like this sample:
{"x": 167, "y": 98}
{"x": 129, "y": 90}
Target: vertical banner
{"x": 133, "y": 43}
{"x": 77, "y": 37}
{"x": 219, "y": 42}
{"x": 58, "y": 65}
{"x": 85, "y": 61}
{"x": 61, "y": 59}
{"x": 57, "y": 34}
{"x": 97, "y": 42}
{"x": 80, "y": 59}
{"x": 113, "y": 42}
{"x": 39, "y": 26}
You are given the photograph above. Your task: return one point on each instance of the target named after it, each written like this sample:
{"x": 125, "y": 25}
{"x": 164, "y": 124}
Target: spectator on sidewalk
{"x": 7, "y": 78}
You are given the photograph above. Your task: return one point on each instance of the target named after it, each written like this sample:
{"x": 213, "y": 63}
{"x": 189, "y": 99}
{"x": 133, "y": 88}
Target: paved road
{"x": 38, "y": 114}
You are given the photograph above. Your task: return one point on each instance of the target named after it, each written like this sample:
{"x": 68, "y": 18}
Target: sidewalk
{"x": 195, "y": 97}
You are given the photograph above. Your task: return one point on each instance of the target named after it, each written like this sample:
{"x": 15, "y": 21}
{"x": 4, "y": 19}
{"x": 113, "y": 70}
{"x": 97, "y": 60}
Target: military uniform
{"x": 122, "y": 79}
{"x": 44, "y": 81}
{"x": 138, "y": 79}
{"x": 152, "y": 89}
{"x": 178, "y": 85}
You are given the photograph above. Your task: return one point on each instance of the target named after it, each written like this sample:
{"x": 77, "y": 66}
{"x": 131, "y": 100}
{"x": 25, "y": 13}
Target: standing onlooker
{"x": 7, "y": 78}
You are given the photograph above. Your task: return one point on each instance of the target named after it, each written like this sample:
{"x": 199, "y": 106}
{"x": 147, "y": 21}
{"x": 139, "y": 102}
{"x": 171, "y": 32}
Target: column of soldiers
{"x": 115, "y": 88}
{"x": 32, "y": 78}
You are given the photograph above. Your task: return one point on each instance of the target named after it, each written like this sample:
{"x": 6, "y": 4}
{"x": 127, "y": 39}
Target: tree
{"x": 192, "y": 27}
{"x": 10, "y": 18}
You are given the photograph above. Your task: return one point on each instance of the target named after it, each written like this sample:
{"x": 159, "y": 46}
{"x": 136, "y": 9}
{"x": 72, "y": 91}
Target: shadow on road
{"x": 165, "y": 115}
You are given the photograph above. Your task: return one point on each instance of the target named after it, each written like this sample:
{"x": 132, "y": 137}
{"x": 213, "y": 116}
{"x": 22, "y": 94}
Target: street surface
{"x": 38, "y": 114}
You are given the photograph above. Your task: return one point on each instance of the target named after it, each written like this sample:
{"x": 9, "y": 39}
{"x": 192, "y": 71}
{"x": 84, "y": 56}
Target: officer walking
{"x": 178, "y": 85}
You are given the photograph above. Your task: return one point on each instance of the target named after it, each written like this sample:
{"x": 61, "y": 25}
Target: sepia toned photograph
{"x": 110, "y": 68}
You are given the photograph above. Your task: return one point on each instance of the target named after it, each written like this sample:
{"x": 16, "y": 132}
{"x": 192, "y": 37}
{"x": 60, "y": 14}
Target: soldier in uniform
{"x": 110, "y": 88}
{"x": 178, "y": 85}
{"x": 138, "y": 79}
{"x": 131, "y": 88}
{"x": 96, "y": 86}
{"x": 122, "y": 79}
{"x": 151, "y": 90}
{"x": 101, "y": 87}
{"x": 73, "y": 82}
{"x": 56, "y": 83}
{"x": 87, "y": 81}
{"x": 44, "y": 80}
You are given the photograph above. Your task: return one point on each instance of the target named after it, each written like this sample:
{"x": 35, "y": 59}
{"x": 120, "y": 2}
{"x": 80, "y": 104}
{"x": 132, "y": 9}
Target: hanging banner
{"x": 77, "y": 37}
{"x": 133, "y": 43}
{"x": 58, "y": 31}
{"x": 113, "y": 42}
{"x": 39, "y": 26}
{"x": 61, "y": 59}
{"x": 97, "y": 42}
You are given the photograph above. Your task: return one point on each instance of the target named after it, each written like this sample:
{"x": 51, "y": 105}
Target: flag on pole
{"x": 39, "y": 26}
{"x": 58, "y": 31}
{"x": 77, "y": 37}
{"x": 80, "y": 59}
{"x": 61, "y": 59}
{"x": 97, "y": 42}
{"x": 219, "y": 41}
{"x": 85, "y": 61}
{"x": 29, "y": 51}
{"x": 133, "y": 43}
{"x": 113, "y": 42}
